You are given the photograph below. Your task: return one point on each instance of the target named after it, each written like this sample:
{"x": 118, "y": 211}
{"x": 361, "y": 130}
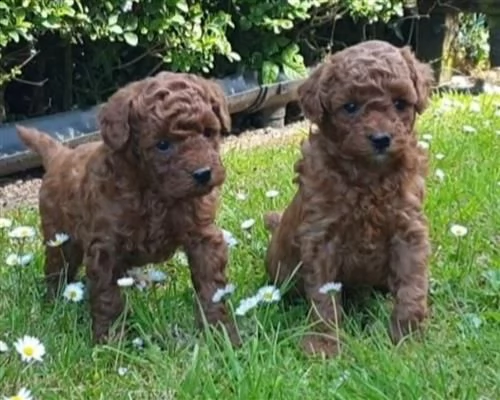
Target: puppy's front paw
{"x": 401, "y": 328}
{"x": 324, "y": 346}
{"x": 222, "y": 328}
{"x": 233, "y": 334}
{"x": 113, "y": 335}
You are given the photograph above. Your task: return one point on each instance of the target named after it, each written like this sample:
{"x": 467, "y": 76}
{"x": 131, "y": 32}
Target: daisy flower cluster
{"x": 19, "y": 236}
{"x": 265, "y": 295}
{"x": 31, "y": 350}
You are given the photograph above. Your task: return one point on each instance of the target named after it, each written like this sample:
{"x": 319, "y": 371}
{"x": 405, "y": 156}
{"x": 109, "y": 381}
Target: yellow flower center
{"x": 29, "y": 351}
{"x": 16, "y": 397}
{"x": 72, "y": 294}
{"x": 268, "y": 296}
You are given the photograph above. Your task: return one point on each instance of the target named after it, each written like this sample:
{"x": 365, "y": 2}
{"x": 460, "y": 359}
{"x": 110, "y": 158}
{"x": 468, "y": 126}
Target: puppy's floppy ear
{"x": 114, "y": 120}
{"x": 219, "y": 105}
{"x": 309, "y": 95}
{"x": 422, "y": 76}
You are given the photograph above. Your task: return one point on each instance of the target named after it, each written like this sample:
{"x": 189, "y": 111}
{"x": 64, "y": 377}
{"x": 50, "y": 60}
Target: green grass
{"x": 459, "y": 358}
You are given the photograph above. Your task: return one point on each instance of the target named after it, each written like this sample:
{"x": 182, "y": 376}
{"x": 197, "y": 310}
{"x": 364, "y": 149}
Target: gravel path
{"x": 23, "y": 191}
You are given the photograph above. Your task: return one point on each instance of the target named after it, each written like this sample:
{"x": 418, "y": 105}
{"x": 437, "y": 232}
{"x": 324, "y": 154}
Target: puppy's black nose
{"x": 202, "y": 175}
{"x": 380, "y": 141}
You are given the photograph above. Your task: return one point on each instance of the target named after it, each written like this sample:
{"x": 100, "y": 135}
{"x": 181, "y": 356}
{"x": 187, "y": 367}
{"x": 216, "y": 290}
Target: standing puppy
{"x": 150, "y": 187}
{"x": 357, "y": 216}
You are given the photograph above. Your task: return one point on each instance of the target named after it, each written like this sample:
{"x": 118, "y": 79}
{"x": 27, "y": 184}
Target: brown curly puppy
{"x": 357, "y": 216}
{"x": 150, "y": 187}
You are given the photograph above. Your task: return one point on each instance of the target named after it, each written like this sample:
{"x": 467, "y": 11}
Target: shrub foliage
{"x": 76, "y": 52}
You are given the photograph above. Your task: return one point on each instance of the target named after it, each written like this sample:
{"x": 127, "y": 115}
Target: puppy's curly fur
{"x": 149, "y": 187}
{"x": 357, "y": 216}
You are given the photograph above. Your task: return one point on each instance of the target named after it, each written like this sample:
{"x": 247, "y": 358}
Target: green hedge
{"x": 203, "y": 36}
{"x": 189, "y": 34}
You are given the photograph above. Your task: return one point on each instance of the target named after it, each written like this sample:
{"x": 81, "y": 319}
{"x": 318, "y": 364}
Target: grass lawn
{"x": 459, "y": 358}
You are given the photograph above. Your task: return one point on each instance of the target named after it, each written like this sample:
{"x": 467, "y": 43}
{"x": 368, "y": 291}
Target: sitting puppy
{"x": 357, "y": 216}
{"x": 150, "y": 187}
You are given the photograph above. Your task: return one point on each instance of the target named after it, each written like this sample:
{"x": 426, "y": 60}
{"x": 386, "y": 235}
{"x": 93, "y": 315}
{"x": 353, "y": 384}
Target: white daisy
{"x": 155, "y": 275}
{"x": 3, "y": 347}
{"x": 423, "y": 144}
{"x": 122, "y": 371}
{"x": 125, "y": 281}
{"x": 246, "y": 305}
{"x": 20, "y": 260}
{"x": 458, "y": 230}
{"x": 30, "y": 348}
{"x": 469, "y": 129}
{"x": 439, "y": 156}
{"x": 241, "y": 196}
{"x": 22, "y": 232}
{"x": 330, "y": 287}
{"x": 269, "y": 294}
{"x": 74, "y": 291}
{"x": 272, "y": 193}
{"x": 5, "y": 223}
{"x": 475, "y": 107}
{"x": 60, "y": 238}
{"x": 247, "y": 224}
{"x": 439, "y": 174}
{"x": 229, "y": 238}
{"x": 22, "y": 394}
{"x": 138, "y": 342}
{"x": 427, "y": 137}
{"x": 220, "y": 293}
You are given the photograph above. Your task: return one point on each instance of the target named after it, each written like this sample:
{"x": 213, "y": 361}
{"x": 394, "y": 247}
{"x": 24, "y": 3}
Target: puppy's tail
{"x": 272, "y": 220}
{"x": 41, "y": 143}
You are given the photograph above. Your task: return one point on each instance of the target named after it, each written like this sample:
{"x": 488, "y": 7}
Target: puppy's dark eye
{"x": 400, "y": 104}
{"x": 351, "y": 108}
{"x": 208, "y": 132}
{"x": 163, "y": 145}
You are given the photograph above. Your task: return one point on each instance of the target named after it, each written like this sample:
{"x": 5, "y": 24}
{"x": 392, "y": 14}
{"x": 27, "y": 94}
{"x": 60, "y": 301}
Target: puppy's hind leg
{"x": 282, "y": 259}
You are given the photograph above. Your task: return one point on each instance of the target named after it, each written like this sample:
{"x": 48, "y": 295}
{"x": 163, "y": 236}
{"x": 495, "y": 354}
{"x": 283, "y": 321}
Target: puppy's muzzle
{"x": 380, "y": 141}
{"x": 202, "y": 175}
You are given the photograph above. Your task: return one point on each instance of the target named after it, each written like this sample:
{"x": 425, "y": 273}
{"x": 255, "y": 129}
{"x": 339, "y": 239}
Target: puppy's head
{"x": 365, "y": 100}
{"x": 169, "y": 127}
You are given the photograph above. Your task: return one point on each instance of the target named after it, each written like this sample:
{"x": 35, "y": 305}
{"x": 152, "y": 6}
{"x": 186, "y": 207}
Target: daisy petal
{"x": 458, "y": 230}
{"x": 30, "y": 348}
{"x": 269, "y": 294}
{"x": 22, "y": 232}
{"x": 74, "y": 292}
{"x": 247, "y": 224}
{"x": 330, "y": 287}
{"x": 125, "y": 282}
{"x": 246, "y": 305}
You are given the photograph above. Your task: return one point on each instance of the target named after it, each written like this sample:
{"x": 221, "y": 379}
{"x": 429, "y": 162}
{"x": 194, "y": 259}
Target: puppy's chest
{"x": 152, "y": 237}
{"x": 364, "y": 223}
{"x": 358, "y": 236}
